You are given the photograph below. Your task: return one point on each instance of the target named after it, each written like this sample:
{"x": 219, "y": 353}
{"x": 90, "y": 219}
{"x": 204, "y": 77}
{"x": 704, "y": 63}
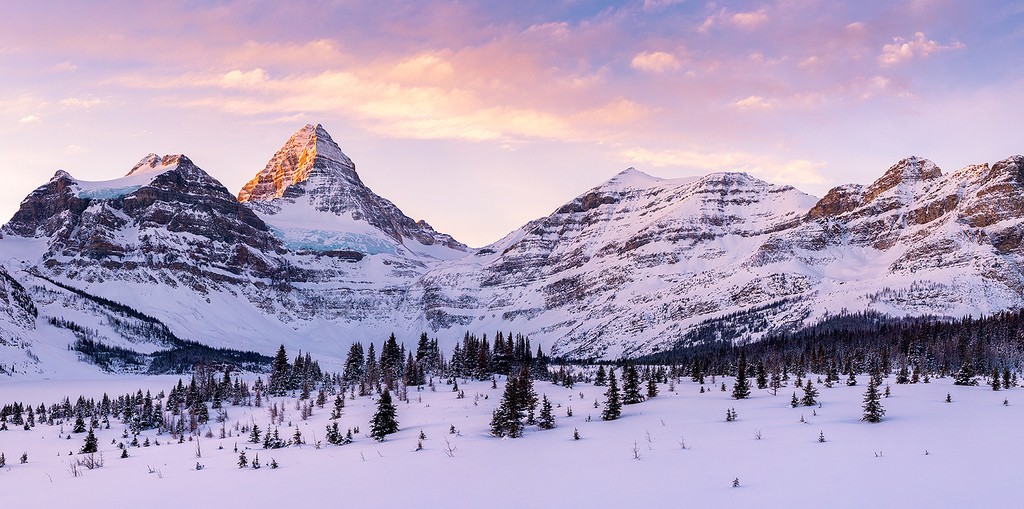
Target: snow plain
{"x": 925, "y": 453}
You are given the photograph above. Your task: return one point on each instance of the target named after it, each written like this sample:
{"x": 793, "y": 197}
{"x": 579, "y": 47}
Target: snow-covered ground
{"x": 925, "y": 453}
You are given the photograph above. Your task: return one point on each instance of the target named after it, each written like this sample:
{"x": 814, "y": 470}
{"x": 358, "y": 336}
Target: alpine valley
{"x": 166, "y": 260}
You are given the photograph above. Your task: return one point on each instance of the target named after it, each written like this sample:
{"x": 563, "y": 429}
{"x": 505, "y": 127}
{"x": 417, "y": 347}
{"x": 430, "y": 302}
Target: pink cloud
{"x": 903, "y": 50}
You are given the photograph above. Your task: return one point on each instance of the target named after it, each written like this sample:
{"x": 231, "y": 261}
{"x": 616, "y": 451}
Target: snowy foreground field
{"x": 925, "y": 453}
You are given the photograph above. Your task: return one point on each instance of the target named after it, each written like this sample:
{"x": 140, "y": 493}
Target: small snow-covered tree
{"x": 613, "y": 403}
{"x": 91, "y": 443}
{"x": 873, "y": 410}
{"x": 810, "y": 394}
{"x": 385, "y": 420}
{"x": 547, "y": 418}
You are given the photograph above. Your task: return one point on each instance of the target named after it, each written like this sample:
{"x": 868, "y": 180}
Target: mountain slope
{"x": 308, "y": 256}
{"x": 313, "y": 197}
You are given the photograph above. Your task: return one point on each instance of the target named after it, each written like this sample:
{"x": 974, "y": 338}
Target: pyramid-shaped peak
{"x": 310, "y": 150}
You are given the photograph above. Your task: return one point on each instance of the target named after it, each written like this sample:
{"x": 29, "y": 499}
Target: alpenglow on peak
{"x": 309, "y": 150}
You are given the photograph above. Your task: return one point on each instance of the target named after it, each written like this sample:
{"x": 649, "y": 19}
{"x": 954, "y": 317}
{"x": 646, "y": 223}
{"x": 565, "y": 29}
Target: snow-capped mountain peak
{"x": 312, "y": 197}
{"x": 308, "y": 151}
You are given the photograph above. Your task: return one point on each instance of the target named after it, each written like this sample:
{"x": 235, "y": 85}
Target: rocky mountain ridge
{"x": 308, "y": 256}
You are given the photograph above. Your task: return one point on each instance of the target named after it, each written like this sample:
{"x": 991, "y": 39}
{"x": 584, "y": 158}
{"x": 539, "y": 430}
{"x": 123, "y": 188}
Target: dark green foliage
{"x": 91, "y": 444}
{"x": 280, "y": 373}
{"x": 507, "y": 419}
{"x": 762, "y": 376}
{"x": 254, "y": 435}
{"x": 601, "y": 378}
{"x": 810, "y": 394}
{"x": 965, "y": 376}
{"x": 613, "y": 403}
{"x": 385, "y": 419}
{"x": 631, "y": 385}
{"x": 547, "y": 418}
{"x": 339, "y": 404}
{"x": 741, "y": 389}
{"x": 873, "y": 410}
{"x": 652, "y": 388}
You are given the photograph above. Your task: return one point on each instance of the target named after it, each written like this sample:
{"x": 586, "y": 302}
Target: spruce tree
{"x": 873, "y": 410}
{"x": 810, "y": 394}
{"x": 613, "y": 403}
{"x": 741, "y": 389}
{"x": 91, "y": 443}
{"x": 965, "y": 376}
{"x": 254, "y": 435}
{"x": 339, "y": 404}
{"x": 547, "y": 418}
{"x": 279, "y": 373}
{"x": 631, "y": 386}
{"x": 507, "y": 419}
{"x": 762, "y": 376}
{"x": 601, "y": 378}
{"x": 652, "y": 388}
{"x": 384, "y": 421}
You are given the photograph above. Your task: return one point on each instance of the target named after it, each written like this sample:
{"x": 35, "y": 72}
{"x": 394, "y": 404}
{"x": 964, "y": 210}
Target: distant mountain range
{"x": 308, "y": 256}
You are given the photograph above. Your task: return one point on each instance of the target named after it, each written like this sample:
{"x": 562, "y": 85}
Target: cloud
{"x": 746, "y": 20}
{"x": 64, "y": 67}
{"x": 76, "y": 103}
{"x": 902, "y": 50}
{"x": 655, "y": 62}
{"x": 754, "y": 102}
{"x": 30, "y": 119}
{"x": 244, "y": 79}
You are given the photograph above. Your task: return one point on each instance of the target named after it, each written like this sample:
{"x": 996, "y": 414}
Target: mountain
{"x": 308, "y": 256}
{"x": 311, "y": 194}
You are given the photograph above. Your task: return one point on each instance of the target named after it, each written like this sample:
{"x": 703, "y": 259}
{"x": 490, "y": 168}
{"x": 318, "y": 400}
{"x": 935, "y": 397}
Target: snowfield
{"x": 925, "y": 453}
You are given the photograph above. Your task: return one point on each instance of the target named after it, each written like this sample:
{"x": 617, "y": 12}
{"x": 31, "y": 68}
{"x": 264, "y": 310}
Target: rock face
{"x": 308, "y": 256}
{"x": 311, "y": 174}
{"x": 166, "y": 215}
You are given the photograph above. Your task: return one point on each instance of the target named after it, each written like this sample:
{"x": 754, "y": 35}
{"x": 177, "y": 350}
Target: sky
{"x": 480, "y": 116}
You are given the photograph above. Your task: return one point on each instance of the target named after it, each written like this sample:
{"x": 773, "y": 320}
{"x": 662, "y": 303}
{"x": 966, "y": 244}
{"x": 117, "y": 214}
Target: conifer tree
{"x": 507, "y": 419}
{"x": 339, "y": 404}
{"x": 91, "y": 443}
{"x": 810, "y": 394}
{"x": 280, "y": 373}
{"x": 79, "y": 425}
{"x": 254, "y": 435}
{"x": 385, "y": 420}
{"x": 601, "y": 378}
{"x": 965, "y": 376}
{"x": 652, "y": 388}
{"x": 547, "y": 418}
{"x": 873, "y": 410}
{"x": 613, "y": 403}
{"x": 242, "y": 460}
{"x": 762, "y": 376}
{"x": 794, "y": 402}
{"x": 741, "y": 389}
{"x": 631, "y": 386}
